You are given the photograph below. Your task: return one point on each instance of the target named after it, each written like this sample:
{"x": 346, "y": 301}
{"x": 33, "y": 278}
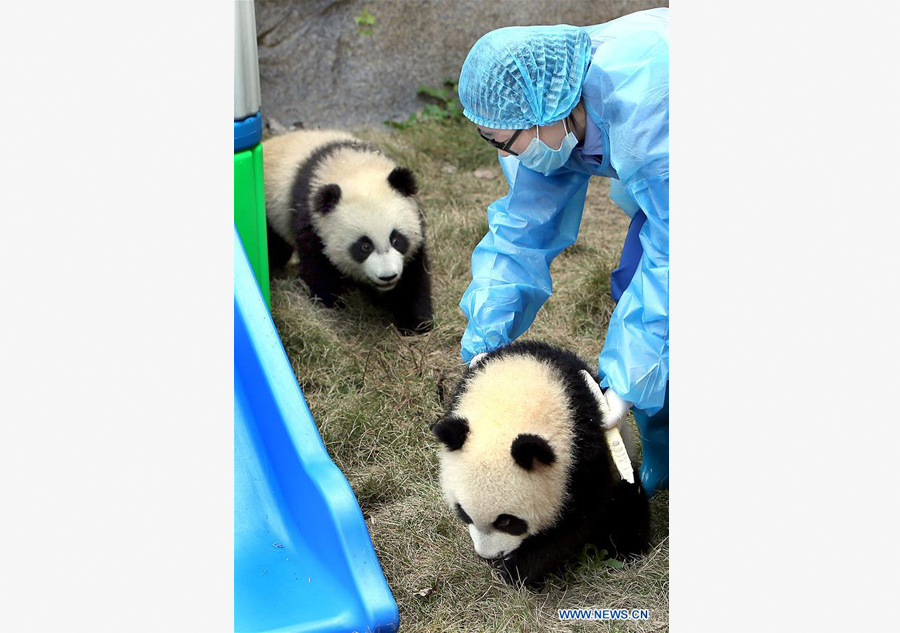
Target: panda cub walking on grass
{"x": 525, "y": 463}
{"x": 351, "y": 213}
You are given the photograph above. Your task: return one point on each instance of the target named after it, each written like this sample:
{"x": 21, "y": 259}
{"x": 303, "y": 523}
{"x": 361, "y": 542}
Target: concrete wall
{"x": 318, "y": 68}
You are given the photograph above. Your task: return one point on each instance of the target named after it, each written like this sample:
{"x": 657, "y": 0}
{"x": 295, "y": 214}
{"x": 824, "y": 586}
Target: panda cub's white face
{"x": 381, "y": 259}
{"x": 370, "y": 244}
{"x": 369, "y": 228}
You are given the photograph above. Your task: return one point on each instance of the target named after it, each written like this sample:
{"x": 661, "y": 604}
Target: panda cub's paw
{"x": 412, "y": 311}
{"x": 508, "y": 570}
{"x": 524, "y": 567}
{"x": 325, "y": 295}
{"x": 413, "y": 327}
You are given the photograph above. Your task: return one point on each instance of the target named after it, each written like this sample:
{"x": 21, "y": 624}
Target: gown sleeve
{"x": 527, "y": 229}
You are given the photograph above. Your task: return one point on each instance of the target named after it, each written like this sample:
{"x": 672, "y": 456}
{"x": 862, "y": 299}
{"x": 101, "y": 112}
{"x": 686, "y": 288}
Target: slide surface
{"x": 303, "y": 559}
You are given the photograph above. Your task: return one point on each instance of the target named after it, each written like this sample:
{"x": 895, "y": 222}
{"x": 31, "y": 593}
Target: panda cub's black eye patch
{"x": 399, "y": 242}
{"x": 462, "y": 514}
{"x": 361, "y": 249}
{"x": 510, "y": 524}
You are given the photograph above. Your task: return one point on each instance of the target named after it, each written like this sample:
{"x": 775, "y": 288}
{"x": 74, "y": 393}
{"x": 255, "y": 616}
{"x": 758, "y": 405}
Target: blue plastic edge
{"x": 378, "y": 601}
{"x": 247, "y": 132}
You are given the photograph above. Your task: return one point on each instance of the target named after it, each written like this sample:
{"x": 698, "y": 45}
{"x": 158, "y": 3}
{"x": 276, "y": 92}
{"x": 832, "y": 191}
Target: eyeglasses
{"x": 503, "y": 147}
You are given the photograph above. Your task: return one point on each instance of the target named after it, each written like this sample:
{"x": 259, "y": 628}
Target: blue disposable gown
{"x": 626, "y": 95}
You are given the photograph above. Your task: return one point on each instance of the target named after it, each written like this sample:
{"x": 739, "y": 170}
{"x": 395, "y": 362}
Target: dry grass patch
{"x": 374, "y": 395}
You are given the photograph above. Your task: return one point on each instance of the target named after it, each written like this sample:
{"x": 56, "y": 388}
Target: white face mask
{"x": 539, "y": 157}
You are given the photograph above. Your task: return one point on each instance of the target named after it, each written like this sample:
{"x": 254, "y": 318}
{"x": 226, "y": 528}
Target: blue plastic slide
{"x": 303, "y": 559}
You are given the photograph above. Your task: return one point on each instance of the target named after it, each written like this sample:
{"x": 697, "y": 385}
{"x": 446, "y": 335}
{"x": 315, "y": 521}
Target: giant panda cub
{"x": 351, "y": 213}
{"x": 526, "y": 465}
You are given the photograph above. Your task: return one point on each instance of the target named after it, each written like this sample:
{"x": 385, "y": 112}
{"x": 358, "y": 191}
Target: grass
{"x": 374, "y": 395}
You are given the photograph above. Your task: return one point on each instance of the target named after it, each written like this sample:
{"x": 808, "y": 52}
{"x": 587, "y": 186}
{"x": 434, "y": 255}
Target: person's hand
{"x": 612, "y": 406}
{"x": 476, "y": 358}
{"x": 616, "y": 409}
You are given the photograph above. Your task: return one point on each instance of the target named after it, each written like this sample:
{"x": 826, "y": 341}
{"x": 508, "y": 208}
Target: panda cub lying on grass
{"x": 351, "y": 213}
{"x": 526, "y": 465}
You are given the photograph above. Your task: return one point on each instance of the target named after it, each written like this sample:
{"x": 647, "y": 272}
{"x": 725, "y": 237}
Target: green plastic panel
{"x": 250, "y": 212}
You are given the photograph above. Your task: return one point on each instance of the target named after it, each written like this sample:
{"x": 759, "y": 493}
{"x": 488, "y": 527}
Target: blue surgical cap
{"x": 520, "y": 76}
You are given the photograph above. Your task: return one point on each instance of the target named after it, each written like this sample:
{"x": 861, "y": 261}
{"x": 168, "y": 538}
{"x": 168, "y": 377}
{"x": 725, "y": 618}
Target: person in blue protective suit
{"x": 562, "y": 104}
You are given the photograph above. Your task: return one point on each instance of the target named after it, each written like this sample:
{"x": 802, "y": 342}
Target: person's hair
{"x": 574, "y": 125}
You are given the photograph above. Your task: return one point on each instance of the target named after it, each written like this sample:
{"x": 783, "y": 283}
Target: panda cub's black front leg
{"x": 324, "y": 280}
{"x": 543, "y": 554}
{"x": 323, "y": 285}
{"x": 326, "y": 293}
{"x": 410, "y": 301}
{"x": 279, "y": 250}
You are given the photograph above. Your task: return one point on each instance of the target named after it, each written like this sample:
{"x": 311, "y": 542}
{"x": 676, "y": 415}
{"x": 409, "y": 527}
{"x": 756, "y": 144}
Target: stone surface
{"x": 318, "y": 67}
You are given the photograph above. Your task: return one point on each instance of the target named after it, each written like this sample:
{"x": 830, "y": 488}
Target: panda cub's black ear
{"x": 326, "y": 199}
{"x": 527, "y": 448}
{"x": 452, "y": 430}
{"x": 403, "y": 181}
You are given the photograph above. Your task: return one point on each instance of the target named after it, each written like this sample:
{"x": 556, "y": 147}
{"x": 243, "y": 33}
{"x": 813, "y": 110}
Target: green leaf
{"x": 436, "y": 93}
{"x": 447, "y": 108}
{"x": 432, "y": 110}
{"x": 365, "y": 18}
